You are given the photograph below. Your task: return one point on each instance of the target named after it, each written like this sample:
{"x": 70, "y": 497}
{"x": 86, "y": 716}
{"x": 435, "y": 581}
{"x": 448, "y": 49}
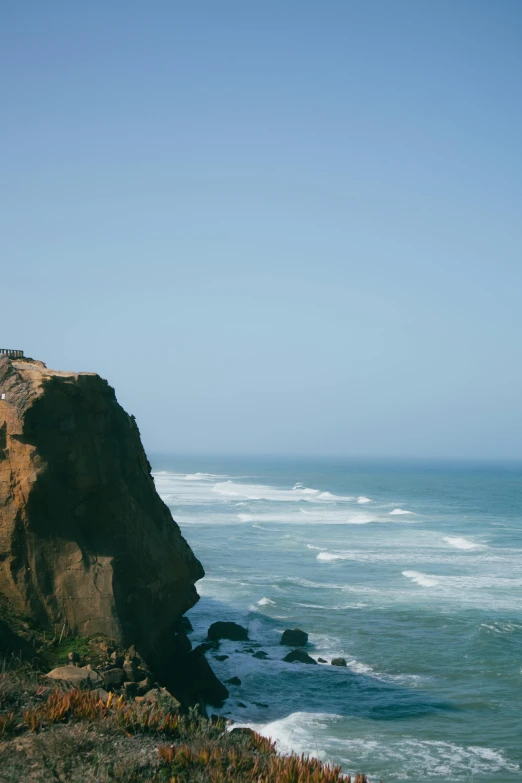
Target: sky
{"x": 275, "y": 226}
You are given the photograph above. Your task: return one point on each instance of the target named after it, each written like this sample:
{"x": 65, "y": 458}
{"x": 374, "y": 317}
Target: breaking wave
{"x": 462, "y": 543}
{"x": 232, "y": 489}
{"x": 421, "y": 579}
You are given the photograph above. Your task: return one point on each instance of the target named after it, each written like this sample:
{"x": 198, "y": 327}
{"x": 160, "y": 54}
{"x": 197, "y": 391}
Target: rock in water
{"x": 299, "y": 656}
{"x": 86, "y": 543}
{"x": 233, "y": 681}
{"x": 339, "y": 662}
{"x": 224, "y": 630}
{"x": 294, "y": 638}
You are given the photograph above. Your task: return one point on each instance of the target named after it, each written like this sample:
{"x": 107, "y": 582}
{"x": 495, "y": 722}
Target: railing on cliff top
{"x": 10, "y": 352}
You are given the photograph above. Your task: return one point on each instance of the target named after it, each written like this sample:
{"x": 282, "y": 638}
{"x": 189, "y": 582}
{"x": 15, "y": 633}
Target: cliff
{"x": 85, "y": 540}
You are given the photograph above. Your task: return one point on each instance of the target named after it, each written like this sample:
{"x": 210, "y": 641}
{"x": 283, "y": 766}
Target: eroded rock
{"x": 85, "y": 540}
{"x": 299, "y": 656}
{"x": 79, "y": 677}
{"x": 113, "y": 678}
{"x": 227, "y": 630}
{"x": 294, "y": 638}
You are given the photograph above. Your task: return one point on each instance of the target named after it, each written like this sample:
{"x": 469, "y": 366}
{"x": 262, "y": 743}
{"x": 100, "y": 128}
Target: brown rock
{"x": 86, "y": 543}
{"x": 338, "y": 662}
{"x": 144, "y": 686}
{"x": 153, "y": 695}
{"x": 243, "y": 731}
{"x": 84, "y": 677}
{"x": 117, "y": 660}
{"x": 113, "y": 678}
{"x": 131, "y": 689}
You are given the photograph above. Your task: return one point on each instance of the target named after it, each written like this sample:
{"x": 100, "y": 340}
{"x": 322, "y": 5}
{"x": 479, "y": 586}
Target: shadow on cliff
{"x": 286, "y": 688}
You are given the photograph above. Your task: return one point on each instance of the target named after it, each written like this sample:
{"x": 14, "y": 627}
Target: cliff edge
{"x": 85, "y": 540}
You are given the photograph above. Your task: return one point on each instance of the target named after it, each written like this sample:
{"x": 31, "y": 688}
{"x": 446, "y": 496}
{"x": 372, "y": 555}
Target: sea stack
{"x": 86, "y": 543}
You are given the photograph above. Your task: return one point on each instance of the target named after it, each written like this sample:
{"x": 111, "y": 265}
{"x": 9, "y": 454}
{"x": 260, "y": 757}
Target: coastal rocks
{"x": 227, "y": 630}
{"x": 87, "y": 546}
{"x": 78, "y": 677}
{"x": 294, "y": 638}
{"x": 113, "y": 678}
{"x": 299, "y": 656}
{"x": 321, "y": 660}
{"x": 183, "y": 625}
{"x": 202, "y": 682}
{"x": 261, "y": 654}
{"x": 338, "y": 662}
{"x": 233, "y": 681}
{"x": 210, "y": 646}
{"x": 117, "y": 660}
{"x": 243, "y": 731}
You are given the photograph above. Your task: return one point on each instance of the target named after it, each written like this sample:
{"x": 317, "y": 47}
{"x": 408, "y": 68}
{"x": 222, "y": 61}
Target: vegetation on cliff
{"x": 48, "y": 733}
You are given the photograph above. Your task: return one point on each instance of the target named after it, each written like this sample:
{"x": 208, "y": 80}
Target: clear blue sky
{"x": 275, "y": 226}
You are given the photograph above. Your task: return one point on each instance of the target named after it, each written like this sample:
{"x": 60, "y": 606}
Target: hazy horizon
{"x": 287, "y": 229}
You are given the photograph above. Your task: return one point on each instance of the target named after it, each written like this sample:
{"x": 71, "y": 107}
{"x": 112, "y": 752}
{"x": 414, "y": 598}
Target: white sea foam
{"x": 317, "y": 734}
{"x": 421, "y": 579}
{"x": 329, "y": 556}
{"x": 201, "y": 476}
{"x": 319, "y": 516}
{"x": 397, "y": 512}
{"x": 502, "y": 627}
{"x": 232, "y": 489}
{"x": 364, "y": 499}
{"x": 266, "y": 602}
{"x": 318, "y": 548}
{"x": 461, "y": 543}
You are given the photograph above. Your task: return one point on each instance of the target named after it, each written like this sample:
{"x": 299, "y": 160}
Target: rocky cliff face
{"x": 85, "y": 540}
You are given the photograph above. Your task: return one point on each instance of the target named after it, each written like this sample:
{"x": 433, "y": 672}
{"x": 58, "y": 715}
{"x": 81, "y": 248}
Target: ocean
{"x": 411, "y": 571}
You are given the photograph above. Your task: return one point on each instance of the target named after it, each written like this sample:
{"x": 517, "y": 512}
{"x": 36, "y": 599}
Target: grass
{"x": 71, "y": 736}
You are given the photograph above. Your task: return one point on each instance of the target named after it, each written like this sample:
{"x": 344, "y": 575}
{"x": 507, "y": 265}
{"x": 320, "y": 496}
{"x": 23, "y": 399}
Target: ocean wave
{"x": 329, "y": 556}
{"x": 232, "y": 489}
{"x": 502, "y": 627}
{"x": 318, "y": 734}
{"x": 319, "y": 516}
{"x": 421, "y": 579}
{"x": 462, "y": 543}
{"x": 364, "y": 499}
{"x": 397, "y": 512}
{"x": 266, "y": 602}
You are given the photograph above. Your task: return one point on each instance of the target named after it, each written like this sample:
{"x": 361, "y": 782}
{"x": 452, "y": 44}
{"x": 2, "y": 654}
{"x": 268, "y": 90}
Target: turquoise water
{"x": 412, "y": 572}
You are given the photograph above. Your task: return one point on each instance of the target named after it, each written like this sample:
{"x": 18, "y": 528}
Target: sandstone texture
{"x": 86, "y": 543}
